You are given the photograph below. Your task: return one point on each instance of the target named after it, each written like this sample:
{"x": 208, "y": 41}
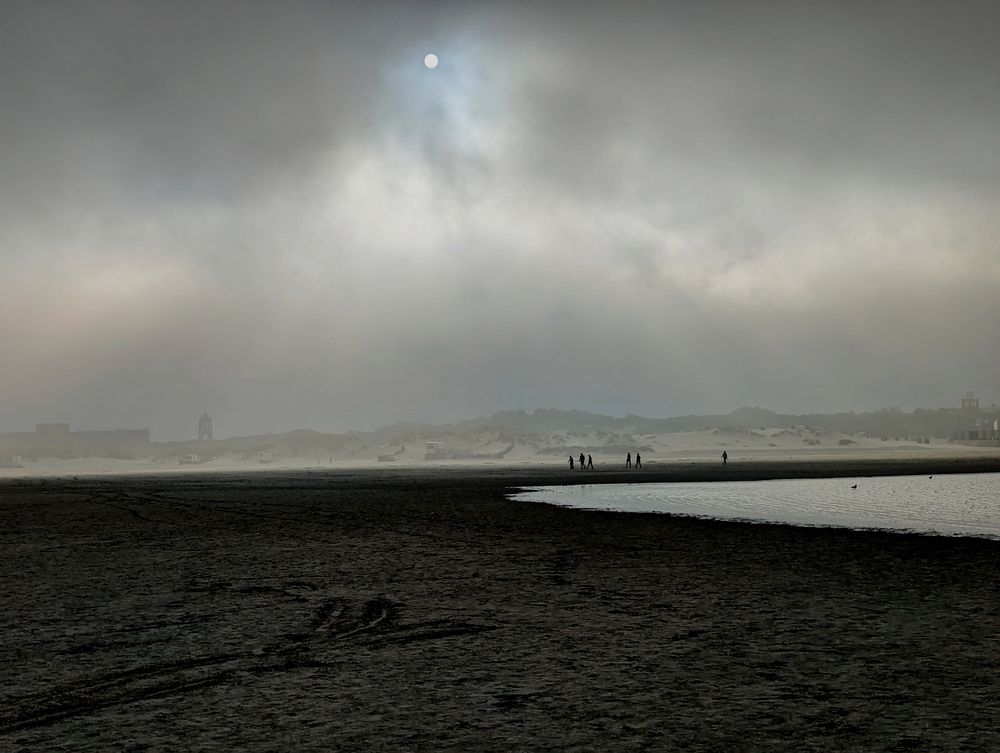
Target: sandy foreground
{"x": 420, "y": 610}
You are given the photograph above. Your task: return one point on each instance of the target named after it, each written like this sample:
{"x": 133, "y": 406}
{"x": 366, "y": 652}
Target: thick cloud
{"x": 277, "y": 214}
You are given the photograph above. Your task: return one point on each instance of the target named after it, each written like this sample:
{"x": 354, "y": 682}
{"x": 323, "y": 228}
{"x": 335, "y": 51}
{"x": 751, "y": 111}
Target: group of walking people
{"x": 587, "y": 462}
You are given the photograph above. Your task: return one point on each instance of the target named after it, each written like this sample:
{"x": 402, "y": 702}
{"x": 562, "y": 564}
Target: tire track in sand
{"x": 334, "y": 624}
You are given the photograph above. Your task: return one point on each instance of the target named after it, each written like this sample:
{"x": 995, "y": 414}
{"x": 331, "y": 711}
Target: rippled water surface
{"x": 959, "y": 504}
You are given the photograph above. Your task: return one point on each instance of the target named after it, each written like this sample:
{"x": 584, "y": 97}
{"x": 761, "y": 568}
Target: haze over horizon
{"x": 277, "y": 214}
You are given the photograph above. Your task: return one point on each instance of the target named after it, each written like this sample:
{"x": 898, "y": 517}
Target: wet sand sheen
{"x": 424, "y": 611}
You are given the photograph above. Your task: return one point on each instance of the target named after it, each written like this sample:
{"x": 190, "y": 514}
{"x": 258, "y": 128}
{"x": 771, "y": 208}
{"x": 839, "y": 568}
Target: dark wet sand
{"x": 419, "y": 610}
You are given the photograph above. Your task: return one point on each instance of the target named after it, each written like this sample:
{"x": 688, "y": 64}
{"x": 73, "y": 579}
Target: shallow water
{"x": 957, "y": 504}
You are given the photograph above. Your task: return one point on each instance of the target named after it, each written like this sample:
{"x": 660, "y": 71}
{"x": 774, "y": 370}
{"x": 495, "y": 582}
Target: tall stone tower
{"x": 205, "y": 426}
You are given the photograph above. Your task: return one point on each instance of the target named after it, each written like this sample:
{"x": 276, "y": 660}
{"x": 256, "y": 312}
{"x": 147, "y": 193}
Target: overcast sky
{"x": 274, "y": 212}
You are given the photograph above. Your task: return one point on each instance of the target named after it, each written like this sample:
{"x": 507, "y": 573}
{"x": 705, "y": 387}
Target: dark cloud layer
{"x": 275, "y": 213}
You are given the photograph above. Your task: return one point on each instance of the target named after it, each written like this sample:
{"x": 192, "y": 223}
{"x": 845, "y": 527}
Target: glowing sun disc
{"x": 431, "y": 60}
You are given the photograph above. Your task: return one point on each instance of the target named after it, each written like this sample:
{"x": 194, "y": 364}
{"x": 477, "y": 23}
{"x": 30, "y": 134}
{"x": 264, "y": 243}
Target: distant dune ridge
{"x": 519, "y": 437}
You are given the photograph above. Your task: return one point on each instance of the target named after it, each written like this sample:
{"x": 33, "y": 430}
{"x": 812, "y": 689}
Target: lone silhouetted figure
{"x": 638, "y": 461}
{"x": 725, "y": 457}
{"x": 628, "y": 460}
{"x": 590, "y": 463}
{"x": 571, "y": 462}
{"x": 583, "y": 462}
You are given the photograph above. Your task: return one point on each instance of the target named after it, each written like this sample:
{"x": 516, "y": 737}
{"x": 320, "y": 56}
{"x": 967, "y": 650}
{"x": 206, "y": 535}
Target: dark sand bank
{"x": 420, "y": 610}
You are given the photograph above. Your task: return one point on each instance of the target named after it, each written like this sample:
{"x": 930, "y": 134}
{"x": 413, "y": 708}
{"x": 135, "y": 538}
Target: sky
{"x": 275, "y": 213}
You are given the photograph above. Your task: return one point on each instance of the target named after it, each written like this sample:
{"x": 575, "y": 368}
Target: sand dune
{"x": 539, "y": 451}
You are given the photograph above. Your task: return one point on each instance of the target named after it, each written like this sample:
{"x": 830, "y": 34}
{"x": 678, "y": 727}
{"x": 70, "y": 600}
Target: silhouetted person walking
{"x": 725, "y": 457}
{"x": 590, "y": 463}
{"x": 571, "y": 462}
{"x": 583, "y": 462}
{"x": 638, "y": 461}
{"x": 628, "y": 460}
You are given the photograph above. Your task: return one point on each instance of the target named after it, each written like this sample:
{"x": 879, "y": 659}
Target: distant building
{"x": 265, "y": 456}
{"x": 977, "y": 425}
{"x": 10, "y": 461}
{"x": 970, "y": 404}
{"x": 59, "y": 435}
{"x": 205, "y": 427}
{"x": 52, "y": 431}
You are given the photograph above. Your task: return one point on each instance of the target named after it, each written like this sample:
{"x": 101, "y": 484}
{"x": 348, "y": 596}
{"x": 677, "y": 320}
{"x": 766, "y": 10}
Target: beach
{"x": 420, "y": 609}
